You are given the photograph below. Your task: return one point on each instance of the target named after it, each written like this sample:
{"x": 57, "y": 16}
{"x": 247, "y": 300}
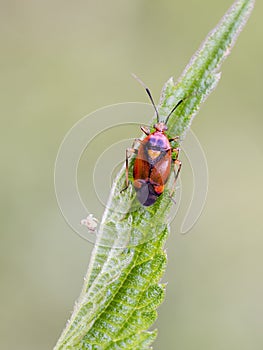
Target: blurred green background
{"x": 61, "y": 60}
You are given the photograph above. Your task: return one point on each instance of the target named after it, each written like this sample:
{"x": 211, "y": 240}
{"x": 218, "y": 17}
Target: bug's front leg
{"x": 177, "y": 169}
{"x": 146, "y": 130}
{"x": 176, "y": 138}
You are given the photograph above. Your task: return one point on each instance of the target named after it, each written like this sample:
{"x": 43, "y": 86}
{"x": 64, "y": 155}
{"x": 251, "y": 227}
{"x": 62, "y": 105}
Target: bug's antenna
{"x": 149, "y": 94}
{"x": 178, "y": 104}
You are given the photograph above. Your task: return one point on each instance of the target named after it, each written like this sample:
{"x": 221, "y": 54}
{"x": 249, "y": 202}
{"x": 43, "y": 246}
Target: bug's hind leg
{"x": 129, "y": 151}
{"x": 176, "y": 169}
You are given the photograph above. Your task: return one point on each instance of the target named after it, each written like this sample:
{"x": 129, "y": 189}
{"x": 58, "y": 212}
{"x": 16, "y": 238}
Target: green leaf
{"x": 122, "y": 291}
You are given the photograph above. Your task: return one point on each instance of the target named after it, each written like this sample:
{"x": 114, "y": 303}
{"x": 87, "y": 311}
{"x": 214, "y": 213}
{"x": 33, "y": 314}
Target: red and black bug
{"x": 154, "y": 159}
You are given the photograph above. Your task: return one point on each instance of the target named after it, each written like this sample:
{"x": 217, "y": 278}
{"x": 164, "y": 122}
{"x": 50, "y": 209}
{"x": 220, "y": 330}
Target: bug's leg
{"x": 129, "y": 151}
{"x": 145, "y": 130}
{"x": 133, "y": 144}
{"x": 176, "y": 138}
{"x": 128, "y": 154}
{"x": 177, "y": 169}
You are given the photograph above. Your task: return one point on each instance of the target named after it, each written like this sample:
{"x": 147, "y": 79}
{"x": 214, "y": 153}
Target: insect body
{"x": 152, "y": 165}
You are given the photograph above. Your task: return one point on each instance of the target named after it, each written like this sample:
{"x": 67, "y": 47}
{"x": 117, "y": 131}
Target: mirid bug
{"x": 154, "y": 159}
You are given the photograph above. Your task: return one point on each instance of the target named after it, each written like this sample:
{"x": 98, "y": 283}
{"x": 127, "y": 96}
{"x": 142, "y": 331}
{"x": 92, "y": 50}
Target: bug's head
{"x": 161, "y": 126}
